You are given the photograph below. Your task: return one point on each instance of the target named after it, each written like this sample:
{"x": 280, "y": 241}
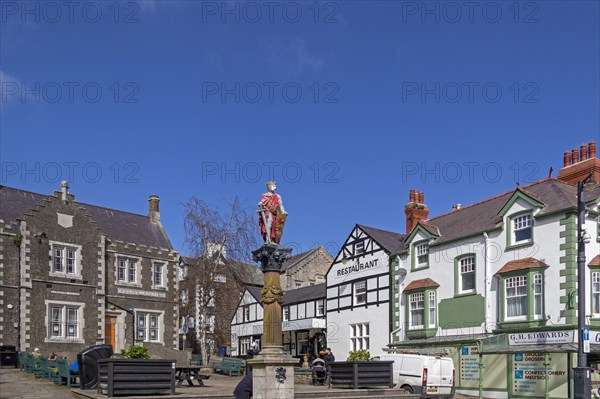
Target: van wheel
{"x": 407, "y": 388}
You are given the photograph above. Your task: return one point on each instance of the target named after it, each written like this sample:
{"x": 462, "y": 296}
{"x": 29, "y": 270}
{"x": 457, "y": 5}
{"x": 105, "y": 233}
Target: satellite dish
{"x": 401, "y": 275}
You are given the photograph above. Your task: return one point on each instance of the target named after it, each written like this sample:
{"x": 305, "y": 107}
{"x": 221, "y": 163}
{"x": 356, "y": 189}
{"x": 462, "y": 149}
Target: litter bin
{"x": 222, "y": 351}
{"x": 8, "y": 356}
{"x": 88, "y": 364}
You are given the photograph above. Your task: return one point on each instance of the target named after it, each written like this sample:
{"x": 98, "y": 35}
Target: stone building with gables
{"x": 74, "y": 275}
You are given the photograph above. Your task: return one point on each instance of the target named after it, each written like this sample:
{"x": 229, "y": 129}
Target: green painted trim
{"x": 452, "y": 312}
{"x": 530, "y": 319}
{"x": 568, "y": 261}
{"x": 421, "y": 334}
{"x": 427, "y": 331}
{"x": 519, "y": 194}
{"x": 416, "y": 230}
{"x": 413, "y": 255}
{"x": 457, "y": 280}
{"x": 593, "y": 269}
{"x": 509, "y": 230}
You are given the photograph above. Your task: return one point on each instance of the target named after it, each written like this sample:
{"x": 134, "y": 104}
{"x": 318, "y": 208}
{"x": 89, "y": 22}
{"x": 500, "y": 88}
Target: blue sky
{"x": 347, "y": 104}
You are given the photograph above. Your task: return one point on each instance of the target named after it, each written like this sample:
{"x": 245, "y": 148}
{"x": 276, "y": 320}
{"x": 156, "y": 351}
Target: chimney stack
{"x": 64, "y": 188}
{"x": 153, "y": 211}
{"x": 416, "y": 211}
{"x": 578, "y": 163}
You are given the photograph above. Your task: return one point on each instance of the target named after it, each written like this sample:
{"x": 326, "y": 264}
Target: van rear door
{"x": 446, "y": 386}
{"x": 434, "y": 375}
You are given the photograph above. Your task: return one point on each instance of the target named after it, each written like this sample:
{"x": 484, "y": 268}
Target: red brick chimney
{"x": 153, "y": 212}
{"x": 416, "y": 210}
{"x": 576, "y": 169}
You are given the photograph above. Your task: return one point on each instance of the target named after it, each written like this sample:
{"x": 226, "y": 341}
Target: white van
{"x": 429, "y": 376}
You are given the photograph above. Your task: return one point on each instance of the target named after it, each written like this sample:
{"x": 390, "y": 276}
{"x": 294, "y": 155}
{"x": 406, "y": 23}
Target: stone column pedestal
{"x": 273, "y": 374}
{"x": 272, "y": 369}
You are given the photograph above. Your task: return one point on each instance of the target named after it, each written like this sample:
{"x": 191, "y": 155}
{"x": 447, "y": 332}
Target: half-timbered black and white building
{"x": 359, "y": 290}
{"x": 303, "y": 327}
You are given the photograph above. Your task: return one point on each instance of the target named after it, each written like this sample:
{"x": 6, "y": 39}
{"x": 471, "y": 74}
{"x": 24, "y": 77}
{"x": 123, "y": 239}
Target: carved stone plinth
{"x": 273, "y": 370}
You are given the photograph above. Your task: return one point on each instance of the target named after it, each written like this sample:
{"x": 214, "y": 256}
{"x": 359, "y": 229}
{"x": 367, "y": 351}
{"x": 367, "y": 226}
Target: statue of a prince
{"x": 271, "y": 215}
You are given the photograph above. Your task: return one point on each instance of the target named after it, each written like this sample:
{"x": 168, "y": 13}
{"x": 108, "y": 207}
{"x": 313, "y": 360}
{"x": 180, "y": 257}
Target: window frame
{"x": 64, "y": 321}
{"x": 65, "y": 248}
{"x": 429, "y": 327}
{"x": 511, "y": 241}
{"x": 419, "y": 298}
{"x": 128, "y": 259}
{"x": 415, "y": 264}
{"x": 147, "y": 315}
{"x": 362, "y": 340}
{"x": 530, "y": 297}
{"x": 458, "y": 275}
{"x": 163, "y": 275}
{"x": 356, "y": 294}
{"x": 595, "y": 273}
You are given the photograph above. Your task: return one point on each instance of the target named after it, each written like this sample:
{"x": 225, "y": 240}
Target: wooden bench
{"x": 64, "y": 373}
{"x": 229, "y": 365}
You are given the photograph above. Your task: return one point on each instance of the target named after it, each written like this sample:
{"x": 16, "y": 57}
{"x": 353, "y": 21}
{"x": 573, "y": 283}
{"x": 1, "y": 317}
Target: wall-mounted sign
{"x": 543, "y": 337}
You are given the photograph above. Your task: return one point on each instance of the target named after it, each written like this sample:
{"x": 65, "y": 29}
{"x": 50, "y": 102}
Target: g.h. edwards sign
{"x": 542, "y": 337}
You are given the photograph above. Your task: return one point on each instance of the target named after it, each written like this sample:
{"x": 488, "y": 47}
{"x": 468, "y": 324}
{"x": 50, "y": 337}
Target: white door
{"x": 447, "y": 375}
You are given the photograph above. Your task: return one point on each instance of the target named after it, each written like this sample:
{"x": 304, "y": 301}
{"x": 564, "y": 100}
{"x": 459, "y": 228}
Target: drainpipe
{"x": 487, "y": 283}
{"x": 17, "y": 240}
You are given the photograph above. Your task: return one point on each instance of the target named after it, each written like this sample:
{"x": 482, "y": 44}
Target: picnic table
{"x": 189, "y": 374}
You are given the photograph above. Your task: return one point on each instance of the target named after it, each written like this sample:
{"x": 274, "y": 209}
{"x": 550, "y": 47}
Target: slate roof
{"x": 255, "y": 292}
{"x": 117, "y": 225}
{"x": 483, "y": 216}
{"x": 390, "y": 241}
{"x": 303, "y": 294}
{"x": 522, "y": 264}
{"x": 247, "y": 273}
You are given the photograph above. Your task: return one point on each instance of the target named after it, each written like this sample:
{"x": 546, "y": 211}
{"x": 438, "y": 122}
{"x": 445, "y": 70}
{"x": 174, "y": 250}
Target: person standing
{"x": 328, "y": 356}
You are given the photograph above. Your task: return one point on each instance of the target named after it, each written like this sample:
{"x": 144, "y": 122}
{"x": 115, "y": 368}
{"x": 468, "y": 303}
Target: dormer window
{"x": 422, "y": 254}
{"x": 522, "y": 228}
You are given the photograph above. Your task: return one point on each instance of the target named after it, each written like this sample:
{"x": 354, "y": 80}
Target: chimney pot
{"x": 566, "y": 159}
{"x": 583, "y": 152}
{"x": 421, "y": 197}
{"x": 592, "y": 149}
{"x": 575, "y": 155}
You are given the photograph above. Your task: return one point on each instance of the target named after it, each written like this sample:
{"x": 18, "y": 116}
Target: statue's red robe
{"x": 271, "y": 202}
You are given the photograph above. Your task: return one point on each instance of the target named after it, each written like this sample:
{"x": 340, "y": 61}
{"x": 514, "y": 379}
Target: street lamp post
{"x": 582, "y": 373}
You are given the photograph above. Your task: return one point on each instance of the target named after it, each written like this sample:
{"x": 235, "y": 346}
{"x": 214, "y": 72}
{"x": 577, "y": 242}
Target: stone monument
{"x": 272, "y": 369}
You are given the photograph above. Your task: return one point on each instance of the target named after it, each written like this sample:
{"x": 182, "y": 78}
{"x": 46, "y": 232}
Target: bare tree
{"x": 213, "y": 234}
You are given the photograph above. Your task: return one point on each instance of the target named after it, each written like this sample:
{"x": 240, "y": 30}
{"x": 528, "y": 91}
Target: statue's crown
{"x": 271, "y": 183}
